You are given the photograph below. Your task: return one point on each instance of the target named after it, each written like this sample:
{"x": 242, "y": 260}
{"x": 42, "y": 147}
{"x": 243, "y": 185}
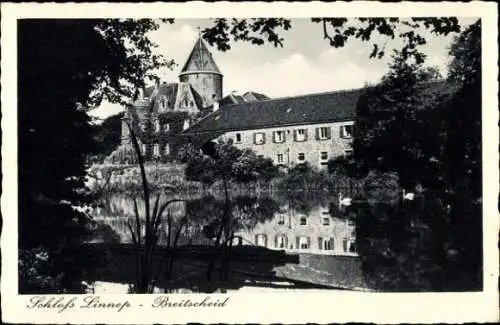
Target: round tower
{"x": 202, "y": 73}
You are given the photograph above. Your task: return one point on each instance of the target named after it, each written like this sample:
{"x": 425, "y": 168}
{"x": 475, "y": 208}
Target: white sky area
{"x": 305, "y": 64}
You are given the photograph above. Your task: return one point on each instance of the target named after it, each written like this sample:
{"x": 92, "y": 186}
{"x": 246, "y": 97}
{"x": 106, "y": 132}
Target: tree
{"x": 66, "y": 67}
{"x": 394, "y": 131}
{"x": 107, "y": 134}
{"x": 337, "y": 31}
{"x": 435, "y": 143}
{"x": 225, "y": 163}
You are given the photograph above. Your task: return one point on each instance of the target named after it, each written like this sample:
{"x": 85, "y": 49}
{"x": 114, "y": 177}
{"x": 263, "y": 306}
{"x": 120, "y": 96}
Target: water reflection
{"x": 296, "y": 226}
{"x": 380, "y": 242}
{"x": 317, "y": 231}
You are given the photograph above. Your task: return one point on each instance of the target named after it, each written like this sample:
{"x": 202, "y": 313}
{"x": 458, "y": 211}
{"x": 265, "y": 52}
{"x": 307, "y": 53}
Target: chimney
{"x": 216, "y": 106}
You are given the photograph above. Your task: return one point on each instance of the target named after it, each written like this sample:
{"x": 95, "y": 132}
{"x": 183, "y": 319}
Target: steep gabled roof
{"x": 307, "y": 109}
{"x": 200, "y": 59}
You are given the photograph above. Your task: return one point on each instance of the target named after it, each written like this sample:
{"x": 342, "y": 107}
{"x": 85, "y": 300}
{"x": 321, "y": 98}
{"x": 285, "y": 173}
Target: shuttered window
{"x": 279, "y": 136}
{"x": 346, "y": 131}
{"x": 323, "y": 133}
{"x": 259, "y": 138}
{"x": 300, "y": 135}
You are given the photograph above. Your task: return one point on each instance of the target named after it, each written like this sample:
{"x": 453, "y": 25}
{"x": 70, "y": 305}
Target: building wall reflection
{"x": 314, "y": 232}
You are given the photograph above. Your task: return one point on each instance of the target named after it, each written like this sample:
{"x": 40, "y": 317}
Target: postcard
{"x": 249, "y": 162}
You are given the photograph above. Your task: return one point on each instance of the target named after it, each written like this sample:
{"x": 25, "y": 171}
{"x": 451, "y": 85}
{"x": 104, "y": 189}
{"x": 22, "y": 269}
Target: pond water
{"x": 279, "y": 241}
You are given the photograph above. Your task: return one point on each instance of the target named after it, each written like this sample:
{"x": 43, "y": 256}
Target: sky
{"x": 305, "y": 64}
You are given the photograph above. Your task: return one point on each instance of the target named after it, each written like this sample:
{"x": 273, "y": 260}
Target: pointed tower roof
{"x": 200, "y": 60}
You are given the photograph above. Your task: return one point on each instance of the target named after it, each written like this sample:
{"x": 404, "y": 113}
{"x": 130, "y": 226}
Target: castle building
{"x": 310, "y": 128}
{"x": 160, "y": 112}
{"x": 293, "y": 130}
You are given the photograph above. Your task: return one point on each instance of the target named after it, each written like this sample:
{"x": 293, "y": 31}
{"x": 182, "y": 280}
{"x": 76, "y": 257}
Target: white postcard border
{"x": 315, "y": 306}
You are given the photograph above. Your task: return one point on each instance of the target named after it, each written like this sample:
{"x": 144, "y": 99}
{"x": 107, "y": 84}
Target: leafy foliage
{"x": 107, "y": 135}
{"x": 432, "y": 243}
{"x": 226, "y": 163}
{"x": 255, "y": 30}
{"x": 65, "y": 68}
{"x": 338, "y": 31}
{"x": 392, "y": 132}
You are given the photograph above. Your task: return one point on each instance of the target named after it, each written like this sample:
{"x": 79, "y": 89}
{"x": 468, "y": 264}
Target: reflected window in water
{"x": 349, "y": 245}
{"x": 352, "y": 247}
{"x": 281, "y": 241}
{"x": 326, "y": 221}
{"x": 303, "y": 221}
{"x": 303, "y": 242}
{"x": 326, "y": 244}
{"x": 261, "y": 240}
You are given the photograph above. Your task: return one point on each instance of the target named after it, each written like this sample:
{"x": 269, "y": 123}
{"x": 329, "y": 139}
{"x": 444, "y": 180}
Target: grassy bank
{"x": 170, "y": 177}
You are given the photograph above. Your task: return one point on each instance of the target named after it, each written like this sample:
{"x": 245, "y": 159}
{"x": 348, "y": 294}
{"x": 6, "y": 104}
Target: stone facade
{"x": 312, "y": 143}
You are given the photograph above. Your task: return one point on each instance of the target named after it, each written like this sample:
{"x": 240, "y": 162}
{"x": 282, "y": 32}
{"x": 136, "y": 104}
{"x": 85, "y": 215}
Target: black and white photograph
{"x": 173, "y": 156}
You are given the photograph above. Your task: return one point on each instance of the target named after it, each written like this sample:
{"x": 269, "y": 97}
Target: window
{"x": 259, "y": 138}
{"x": 348, "y": 152}
{"x": 281, "y": 219}
{"x": 157, "y": 125}
{"x": 323, "y": 155}
{"x": 279, "y": 136}
{"x": 301, "y": 157}
{"x": 143, "y": 125}
{"x": 346, "y": 131}
{"x": 323, "y": 133}
{"x": 326, "y": 221}
{"x": 261, "y": 240}
{"x": 303, "y": 221}
{"x": 144, "y": 148}
{"x": 156, "y": 150}
{"x": 352, "y": 247}
{"x": 303, "y": 242}
{"x": 166, "y": 150}
{"x": 163, "y": 104}
{"x": 279, "y": 158}
{"x": 237, "y": 138}
{"x": 166, "y": 127}
{"x": 281, "y": 241}
{"x": 300, "y": 135}
{"x": 326, "y": 244}
{"x": 349, "y": 245}
{"x": 350, "y": 222}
